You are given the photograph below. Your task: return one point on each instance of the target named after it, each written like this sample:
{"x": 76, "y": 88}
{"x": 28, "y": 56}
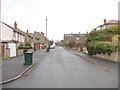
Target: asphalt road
{"x": 61, "y": 69}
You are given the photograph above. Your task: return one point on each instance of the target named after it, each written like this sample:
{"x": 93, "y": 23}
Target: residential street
{"x": 61, "y": 68}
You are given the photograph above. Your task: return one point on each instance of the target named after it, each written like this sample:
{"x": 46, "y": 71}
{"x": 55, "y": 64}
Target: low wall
{"x": 112, "y": 57}
{"x": 7, "y": 56}
{"x": 19, "y": 52}
{"x": 32, "y": 50}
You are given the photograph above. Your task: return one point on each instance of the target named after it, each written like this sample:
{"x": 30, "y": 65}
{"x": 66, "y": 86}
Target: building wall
{"x": 19, "y": 52}
{"x": 21, "y": 38}
{"x": 42, "y": 38}
{"x": 5, "y": 51}
{"x": 36, "y": 37}
{"x": 6, "y": 32}
{"x": 78, "y": 38}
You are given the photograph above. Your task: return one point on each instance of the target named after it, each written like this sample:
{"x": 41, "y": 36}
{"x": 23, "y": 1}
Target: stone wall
{"x": 7, "y": 56}
{"x": 112, "y": 57}
{"x": 19, "y": 52}
{"x": 31, "y": 50}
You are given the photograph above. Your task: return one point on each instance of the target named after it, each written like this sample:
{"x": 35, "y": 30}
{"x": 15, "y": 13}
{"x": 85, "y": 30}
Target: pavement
{"x": 13, "y": 69}
{"x": 106, "y": 64}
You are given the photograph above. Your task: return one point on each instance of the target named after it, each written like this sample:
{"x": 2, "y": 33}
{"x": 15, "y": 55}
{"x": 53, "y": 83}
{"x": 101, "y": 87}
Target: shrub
{"x": 21, "y": 44}
{"x": 28, "y": 44}
{"x": 99, "y": 41}
{"x": 25, "y": 45}
{"x": 100, "y": 48}
{"x": 70, "y": 44}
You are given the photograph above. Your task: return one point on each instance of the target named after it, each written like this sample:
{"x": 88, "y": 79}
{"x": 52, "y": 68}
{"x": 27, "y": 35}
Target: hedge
{"x": 25, "y": 45}
{"x": 100, "y": 47}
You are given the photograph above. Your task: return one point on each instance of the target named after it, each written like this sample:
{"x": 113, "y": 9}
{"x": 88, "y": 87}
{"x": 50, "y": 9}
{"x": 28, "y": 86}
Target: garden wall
{"x": 112, "y": 57}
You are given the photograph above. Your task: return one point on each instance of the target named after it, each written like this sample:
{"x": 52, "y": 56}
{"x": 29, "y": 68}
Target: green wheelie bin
{"x": 28, "y": 56}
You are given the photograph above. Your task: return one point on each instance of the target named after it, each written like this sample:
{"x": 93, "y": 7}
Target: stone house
{"x": 29, "y": 38}
{"x": 38, "y": 39}
{"x": 79, "y": 39}
{"x": 42, "y": 38}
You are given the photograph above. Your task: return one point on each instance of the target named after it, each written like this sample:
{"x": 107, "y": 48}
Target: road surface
{"x": 61, "y": 69}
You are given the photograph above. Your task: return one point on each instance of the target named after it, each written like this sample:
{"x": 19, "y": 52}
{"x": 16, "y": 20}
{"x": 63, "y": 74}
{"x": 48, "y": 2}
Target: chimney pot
{"x": 15, "y": 25}
{"x": 105, "y": 21}
{"x": 27, "y": 31}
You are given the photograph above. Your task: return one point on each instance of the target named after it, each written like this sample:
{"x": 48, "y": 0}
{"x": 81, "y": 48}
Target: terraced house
{"x": 39, "y": 40}
{"x": 75, "y": 40}
{"x": 10, "y": 37}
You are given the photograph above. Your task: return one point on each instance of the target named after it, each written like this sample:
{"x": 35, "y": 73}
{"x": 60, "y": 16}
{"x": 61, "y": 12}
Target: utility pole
{"x": 46, "y": 30}
{"x": 47, "y": 42}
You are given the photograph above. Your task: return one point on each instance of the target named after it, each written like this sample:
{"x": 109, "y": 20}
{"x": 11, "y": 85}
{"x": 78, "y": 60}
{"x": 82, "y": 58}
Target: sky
{"x": 64, "y": 16}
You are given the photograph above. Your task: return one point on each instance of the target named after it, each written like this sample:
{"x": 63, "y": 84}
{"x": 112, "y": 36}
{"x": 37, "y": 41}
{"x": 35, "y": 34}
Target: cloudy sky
{"x": 64, "y": 16}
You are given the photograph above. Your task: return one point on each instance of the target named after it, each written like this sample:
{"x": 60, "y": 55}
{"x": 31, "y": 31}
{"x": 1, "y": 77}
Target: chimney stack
{"x": 27, "y": 31}
{"x": 105, "y": 21}
{"x": 15, "y": 25}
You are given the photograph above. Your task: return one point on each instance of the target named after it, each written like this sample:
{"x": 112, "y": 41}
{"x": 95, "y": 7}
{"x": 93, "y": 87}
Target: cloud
{"x": 64, "y": 16}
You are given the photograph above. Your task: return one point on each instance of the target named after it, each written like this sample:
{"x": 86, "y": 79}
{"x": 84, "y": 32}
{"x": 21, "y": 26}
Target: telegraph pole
{"x": 47, "y": 43}
{"x": 46, "y": 30}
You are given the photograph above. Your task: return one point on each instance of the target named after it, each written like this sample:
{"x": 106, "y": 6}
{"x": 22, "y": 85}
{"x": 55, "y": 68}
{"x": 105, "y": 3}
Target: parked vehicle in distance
{"x": 52, "y": 46}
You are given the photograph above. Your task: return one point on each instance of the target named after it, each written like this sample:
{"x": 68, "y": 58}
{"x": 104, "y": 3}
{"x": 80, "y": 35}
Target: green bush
{"x": 28, "y": 44}
{"x": 70, "y": 44}
{"x": 100, "y": 41}
{"x": 25, "y": 45}
{"x": 21, "y": 44}
{"x": 100, "y": 48}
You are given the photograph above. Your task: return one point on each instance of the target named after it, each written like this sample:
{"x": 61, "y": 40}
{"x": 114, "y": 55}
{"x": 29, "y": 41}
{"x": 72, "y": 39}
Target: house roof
{"x": 73, "y": 35}
{"x": 29, "y": 35}
{"x": 68, "y": 35}
{"x": 16, "y": 30}
{"x": 32, "y": 34}
{"x": 113, "y": 21}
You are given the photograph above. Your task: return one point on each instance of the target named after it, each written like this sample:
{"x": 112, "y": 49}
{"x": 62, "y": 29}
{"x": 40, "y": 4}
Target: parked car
{"x": 52, "y": 46}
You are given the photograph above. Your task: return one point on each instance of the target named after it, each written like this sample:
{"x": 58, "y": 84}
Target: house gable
{"x": 6, "y": 32}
